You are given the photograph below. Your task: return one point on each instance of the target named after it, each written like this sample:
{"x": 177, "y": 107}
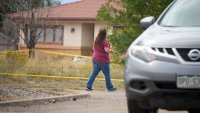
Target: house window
{"x": 40, "y": 32}
{"x": 58, "y": 34}
{"x": 50, "y": 35}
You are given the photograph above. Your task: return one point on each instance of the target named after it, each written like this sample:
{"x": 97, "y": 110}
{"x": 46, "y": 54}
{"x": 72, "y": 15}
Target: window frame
{"x": 54, "y": 27}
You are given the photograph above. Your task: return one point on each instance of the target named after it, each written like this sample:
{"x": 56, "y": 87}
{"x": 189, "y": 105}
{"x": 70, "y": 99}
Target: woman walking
{"x": 101, "y": 61}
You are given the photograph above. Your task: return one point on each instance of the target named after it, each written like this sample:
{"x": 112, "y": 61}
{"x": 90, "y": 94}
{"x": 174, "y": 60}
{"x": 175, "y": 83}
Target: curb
{"x": 46, "y": 100}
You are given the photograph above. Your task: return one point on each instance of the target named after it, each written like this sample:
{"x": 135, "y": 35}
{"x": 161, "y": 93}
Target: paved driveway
{"x": 99, "y": 102}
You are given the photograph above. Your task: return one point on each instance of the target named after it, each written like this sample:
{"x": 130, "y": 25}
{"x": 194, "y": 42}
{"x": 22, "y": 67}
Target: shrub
{"x": 121, "y": 40}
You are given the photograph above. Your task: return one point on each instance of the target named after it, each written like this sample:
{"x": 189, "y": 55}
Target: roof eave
{"x": 72, "y": 18}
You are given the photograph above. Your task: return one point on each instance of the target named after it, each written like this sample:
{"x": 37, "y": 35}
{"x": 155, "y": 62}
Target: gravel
{"x": 13, "y": 92}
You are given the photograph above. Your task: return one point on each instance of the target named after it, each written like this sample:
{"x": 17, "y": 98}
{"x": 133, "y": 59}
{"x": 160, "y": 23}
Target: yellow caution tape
{"x": 59, "y": 53}
{"x": 50, "y": 52}
{"x": 60, "y": 77}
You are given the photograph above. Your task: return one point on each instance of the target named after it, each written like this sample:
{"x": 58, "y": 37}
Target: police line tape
{"x": 50, "y": 52}
{"x": 59, "y": 53}
{"x": 58, "y": 77}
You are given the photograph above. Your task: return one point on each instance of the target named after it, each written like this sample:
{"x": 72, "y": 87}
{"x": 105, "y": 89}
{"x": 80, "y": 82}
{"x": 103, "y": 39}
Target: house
{"x": 6, "y": 43}
{"x": 72, "y": 29}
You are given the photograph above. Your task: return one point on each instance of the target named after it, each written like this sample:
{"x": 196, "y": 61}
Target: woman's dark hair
{"x": 100, "y": 37}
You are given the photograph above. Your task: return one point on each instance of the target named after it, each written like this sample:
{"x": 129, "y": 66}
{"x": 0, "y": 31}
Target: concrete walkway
{"x": 98, "y": 102}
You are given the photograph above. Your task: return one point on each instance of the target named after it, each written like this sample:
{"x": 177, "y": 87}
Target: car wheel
{"x": 154, "y": 111}
{"x": 194, "y": 111}
{"x": 134, "y": 108}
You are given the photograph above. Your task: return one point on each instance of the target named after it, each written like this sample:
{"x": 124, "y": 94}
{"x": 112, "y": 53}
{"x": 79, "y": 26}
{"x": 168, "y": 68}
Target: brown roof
{"x": 80, "y": 10}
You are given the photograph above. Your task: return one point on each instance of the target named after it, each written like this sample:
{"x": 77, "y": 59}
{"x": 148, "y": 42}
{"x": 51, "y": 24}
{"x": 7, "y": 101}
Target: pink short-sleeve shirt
{"x": 99, "y": 54}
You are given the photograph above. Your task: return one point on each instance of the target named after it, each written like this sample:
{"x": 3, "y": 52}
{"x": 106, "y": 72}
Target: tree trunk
{"x": 31, "y": 43}
{"x": 31, "y": 53}
{"x": 31, "y": 48}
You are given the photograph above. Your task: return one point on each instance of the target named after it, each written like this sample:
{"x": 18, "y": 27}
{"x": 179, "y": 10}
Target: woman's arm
{"x": 107, "y": 49}
{"x": 107, "y": 46}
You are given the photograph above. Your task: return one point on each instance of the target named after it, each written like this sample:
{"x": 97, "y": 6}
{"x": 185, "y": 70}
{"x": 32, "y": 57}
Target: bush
{"x": 121, "y": 40}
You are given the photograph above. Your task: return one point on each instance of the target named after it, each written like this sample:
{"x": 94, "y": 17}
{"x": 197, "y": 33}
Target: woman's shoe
{"x": 113, "y": 89}
{"x": 88, "y": 89}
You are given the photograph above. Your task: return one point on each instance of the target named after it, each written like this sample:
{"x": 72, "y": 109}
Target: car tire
{"x": 194, "y": 111}
{"x": 154, "y": 111}
{"x": 133, "y": 107}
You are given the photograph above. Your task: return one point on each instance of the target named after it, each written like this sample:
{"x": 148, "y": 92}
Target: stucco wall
{"x": 21, "y": 41}
{"x": 72, "y": 38}
{"x": 98, "y": 26}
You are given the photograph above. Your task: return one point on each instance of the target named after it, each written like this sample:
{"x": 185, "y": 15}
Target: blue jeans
{"x": 97, "y": 67}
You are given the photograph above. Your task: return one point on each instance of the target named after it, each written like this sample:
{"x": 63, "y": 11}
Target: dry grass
{"x": 56, "y": 66}
{"x": 49, "y": 83}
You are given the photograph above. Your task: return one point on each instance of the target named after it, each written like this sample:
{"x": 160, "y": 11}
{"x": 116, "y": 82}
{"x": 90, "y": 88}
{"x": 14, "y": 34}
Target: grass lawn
{"x": 62, "y": 66}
